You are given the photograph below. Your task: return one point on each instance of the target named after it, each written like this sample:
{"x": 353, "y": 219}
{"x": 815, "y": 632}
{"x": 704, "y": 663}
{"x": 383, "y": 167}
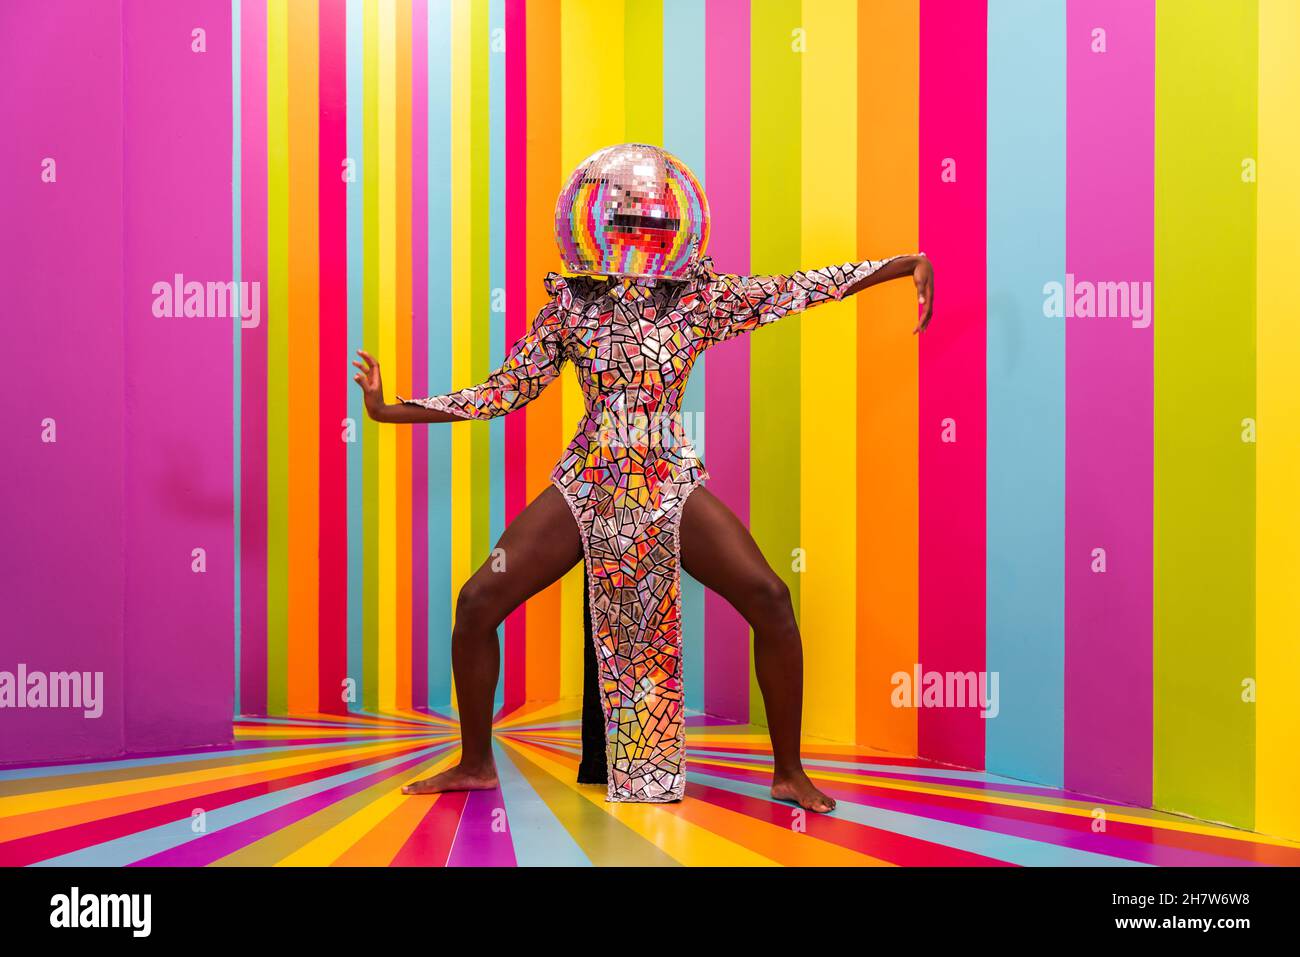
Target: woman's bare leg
{"x": 719, "y": 552}
{"x": 537, "y": 548}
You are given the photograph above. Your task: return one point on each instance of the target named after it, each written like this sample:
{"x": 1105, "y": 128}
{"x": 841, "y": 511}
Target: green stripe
{"x": 1206, "y": 76}
{"x": 775, "y": 92}
{"x": 277, "y": 384}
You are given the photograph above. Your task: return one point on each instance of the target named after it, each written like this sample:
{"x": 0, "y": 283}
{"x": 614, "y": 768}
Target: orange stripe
{"x": 304, "y": 350}
{"x": 545, "y": 435}
{"x": 887, "y": 382}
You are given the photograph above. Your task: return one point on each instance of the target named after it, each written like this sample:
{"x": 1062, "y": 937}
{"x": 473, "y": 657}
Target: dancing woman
{"x": 632, "y": 224}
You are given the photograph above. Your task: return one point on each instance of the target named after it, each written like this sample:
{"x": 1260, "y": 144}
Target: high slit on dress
{"x": 630, "y": 468}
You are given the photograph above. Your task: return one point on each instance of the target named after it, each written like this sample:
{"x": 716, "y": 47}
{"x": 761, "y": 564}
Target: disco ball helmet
{"x": 632, "y": 210}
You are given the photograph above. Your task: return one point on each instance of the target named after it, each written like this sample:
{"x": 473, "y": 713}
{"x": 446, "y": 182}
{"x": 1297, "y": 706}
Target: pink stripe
{"x": 516, "y": 426}
{"x": 252, "y": 678}
{"x": 1110, "y": 122}
{"x": 419, "y": 351}
{"x": 726, "y": 388}
{"x": 951, "y": 534}
{"x": 333, "y": 504}
{"x": 483, "y": 838}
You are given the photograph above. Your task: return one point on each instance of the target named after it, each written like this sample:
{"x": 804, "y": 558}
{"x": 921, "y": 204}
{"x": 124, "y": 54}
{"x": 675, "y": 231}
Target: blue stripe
{"x": 439, "y": 267}
{"x": 1026, "y": 396}
{"x": 684, "y": 137}
{"x": 497, "y": 277}
{"x": 540, "y": 840}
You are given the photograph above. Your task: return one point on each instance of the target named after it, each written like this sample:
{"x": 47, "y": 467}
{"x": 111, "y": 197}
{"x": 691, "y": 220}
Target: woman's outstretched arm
{"x": 740, "y": 304}
{"x": 533, "y": 363}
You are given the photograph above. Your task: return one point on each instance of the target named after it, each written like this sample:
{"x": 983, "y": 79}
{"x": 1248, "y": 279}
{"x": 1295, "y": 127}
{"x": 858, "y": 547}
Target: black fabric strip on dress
{"x": 592, "y": 769}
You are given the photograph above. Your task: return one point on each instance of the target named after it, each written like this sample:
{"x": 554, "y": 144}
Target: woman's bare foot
{"x": 798, "y": 787}
{"x": 459, "y": 778}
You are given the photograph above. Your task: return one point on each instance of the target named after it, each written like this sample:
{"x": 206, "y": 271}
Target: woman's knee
{"x": 477, "y": 607}
{"x": 769, "y": 598}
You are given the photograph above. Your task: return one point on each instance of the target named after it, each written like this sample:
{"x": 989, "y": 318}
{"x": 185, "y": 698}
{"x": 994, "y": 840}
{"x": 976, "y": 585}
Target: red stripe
{"x": 333, "y": 358}
{"x": 430, "y": 843}
{"x": 952, "y": 482}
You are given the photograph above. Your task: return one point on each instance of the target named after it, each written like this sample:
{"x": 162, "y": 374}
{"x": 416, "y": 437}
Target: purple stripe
{"x": 61, "y": 567}
{"x": 176, "y": 220}
{"x": 726, "y": 386}
{"x": 1110, "y": 123}
{"x": 483, "y": 837}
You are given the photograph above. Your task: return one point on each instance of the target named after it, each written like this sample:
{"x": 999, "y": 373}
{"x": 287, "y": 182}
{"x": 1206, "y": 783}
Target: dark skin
{"x": 542, "y": 544}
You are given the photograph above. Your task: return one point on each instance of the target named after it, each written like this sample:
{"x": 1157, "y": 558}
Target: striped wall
{"x": 1099, "y": 510}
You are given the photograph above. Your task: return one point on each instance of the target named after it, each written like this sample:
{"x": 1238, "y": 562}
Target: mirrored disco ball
{"x": 631, "y": 210}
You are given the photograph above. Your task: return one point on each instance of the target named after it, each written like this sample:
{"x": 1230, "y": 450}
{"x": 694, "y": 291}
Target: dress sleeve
{"x": 734, "y": 305}
{"x": 531, "y": 365}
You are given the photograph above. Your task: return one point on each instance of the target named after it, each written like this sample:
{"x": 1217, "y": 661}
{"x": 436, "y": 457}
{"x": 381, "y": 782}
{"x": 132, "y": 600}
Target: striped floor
{"x": 325, "y": 790}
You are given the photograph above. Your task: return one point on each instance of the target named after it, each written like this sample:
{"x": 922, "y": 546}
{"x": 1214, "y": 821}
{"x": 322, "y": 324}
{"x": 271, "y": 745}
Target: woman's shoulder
{"x": 570, "y": 289}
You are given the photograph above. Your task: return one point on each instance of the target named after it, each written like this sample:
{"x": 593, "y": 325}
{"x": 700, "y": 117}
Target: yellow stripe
{"x": 828, "y": 458}
{"x": 387, "y": 357}
{"x": 592, "y": 90}
{"x": 330, "y": 845}
{"x": 461, "y": 319}
{"x": 685, "y": 842}
{"x": 1277, "y": 456}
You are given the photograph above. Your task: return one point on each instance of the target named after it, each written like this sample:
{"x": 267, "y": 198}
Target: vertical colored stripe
{"x": 335, "y": 384}
{"x": 828, "y": 356}
{"x": 951, "y": 377}
{"x": 1108, "y": 387}
{"x": 546, "y": 425}
{"x": 252, "y": 421}
{"x": 277, "y": 353}
{"x": 478, "y": 316}
{"x": 683, "y": 126}
{"x": 440, "y": 265}
{"x": 372, "y": 431}
{"x": 512, "y": 209}
{"x": 463, "y": 479}
{"x": 888, "y": 48}
{"x": 727, "y": 387}
{"x": 303, "y": 474}
{"x": 1277, "y": 457}
{"x": 356, "y": 339}
{"x": 1026, "y": 391}
{"x": 595, "y": 120}
{"x": 236, "y": 262}
{"x": 1204, "y": 548}
{"x": 777, "y": 45}
{"x": 419, "y": 239}
{"x": 402, "y": 340}
{"x": 494, "y": 304}
{"x": 385, "y": 243}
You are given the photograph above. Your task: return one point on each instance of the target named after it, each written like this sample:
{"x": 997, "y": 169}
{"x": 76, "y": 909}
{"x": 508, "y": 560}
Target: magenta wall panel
{"x": 61, "y": 564}
{"x": 178, "y": 623}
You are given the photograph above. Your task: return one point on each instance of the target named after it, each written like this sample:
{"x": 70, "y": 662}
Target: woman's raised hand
{"x": 372, "y": 386}
{"x": 923, "y": 276}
